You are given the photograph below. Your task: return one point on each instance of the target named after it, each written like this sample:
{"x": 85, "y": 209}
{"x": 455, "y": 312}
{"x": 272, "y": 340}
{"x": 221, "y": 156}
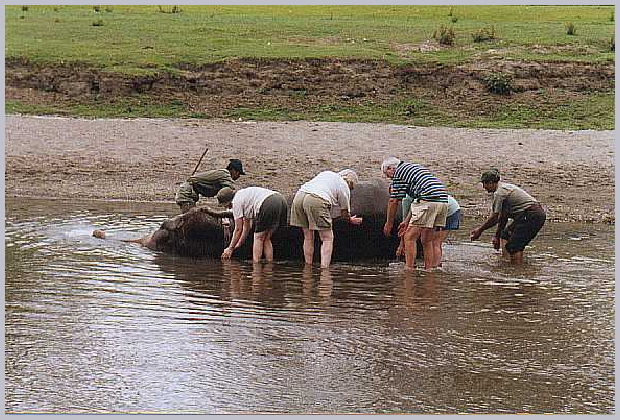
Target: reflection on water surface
{"x": 106, "y": 326}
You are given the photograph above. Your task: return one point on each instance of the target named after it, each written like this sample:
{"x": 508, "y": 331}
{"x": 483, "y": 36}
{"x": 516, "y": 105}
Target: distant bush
{"x": 166, "y": 9}
{"x": 444, "y": 35}
{"x": 484, "y": 34}
{"x": 25, "y": 8}
{"x": 97, "y": 9}
{"x": 570, "y": 29}
{"x": 98, "y": 22}
{"x": 612, "y": 17}
{"x": 612, "y": 43}
{"x": 454, "y": 19}
{"x": 499, "y": 83}
{"x": 451, "y": 11}
{"x": 109, "y": 9}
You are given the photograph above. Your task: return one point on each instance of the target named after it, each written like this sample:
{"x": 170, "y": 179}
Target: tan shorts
{"x": 428, "y": 214}
{"x": 310, "y": 211}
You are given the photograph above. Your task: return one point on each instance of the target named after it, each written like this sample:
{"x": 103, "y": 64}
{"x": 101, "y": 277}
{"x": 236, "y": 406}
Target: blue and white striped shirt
{"x": 418, "y": 182}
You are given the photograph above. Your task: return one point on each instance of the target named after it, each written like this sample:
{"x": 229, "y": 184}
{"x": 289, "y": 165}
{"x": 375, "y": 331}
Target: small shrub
{"x": 484, "y": 34}
{"x": 173, "y": 9}
{"x": 612, "y": 17}
{"x": 499, "y": 83}
{"x": 22, "y": 17}
{"x": 97, "y": 9}
{"x": 612, "y": 44}
{"x": 451, "y": 11}
{"x": 98, "y": 22}
{"x": 25, "y": 8}
{"x": 444, "y": 35}
{"x": 55, "y": 9}
{"x": 454, "y": 19}
{"x": 570, "y": 29}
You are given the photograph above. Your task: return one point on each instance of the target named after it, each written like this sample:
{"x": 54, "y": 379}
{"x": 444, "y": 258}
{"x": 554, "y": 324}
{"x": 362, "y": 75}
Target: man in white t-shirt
{"x": 265, "y": 208}
{"x": 313, "y": 208}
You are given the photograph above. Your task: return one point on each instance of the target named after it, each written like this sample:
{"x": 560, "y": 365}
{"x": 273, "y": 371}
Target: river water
{"x": 103, "y": 326}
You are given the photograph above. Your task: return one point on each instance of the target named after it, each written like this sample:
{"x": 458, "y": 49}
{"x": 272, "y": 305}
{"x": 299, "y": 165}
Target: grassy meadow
{"x": 143, "y": 40}
{"x": 138, "y": 38}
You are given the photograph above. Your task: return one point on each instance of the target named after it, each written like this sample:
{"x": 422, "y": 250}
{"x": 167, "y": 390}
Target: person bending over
{"x": 265, "y": 208}
{"x": 510, "y": 202}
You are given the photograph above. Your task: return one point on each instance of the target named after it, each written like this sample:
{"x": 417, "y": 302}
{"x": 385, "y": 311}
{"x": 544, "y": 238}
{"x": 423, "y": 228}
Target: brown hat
{"x": 492, "y": 175}
{"x": 225, "y": 196}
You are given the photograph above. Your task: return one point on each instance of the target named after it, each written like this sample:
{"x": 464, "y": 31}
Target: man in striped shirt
{"x": 426, "y": 217}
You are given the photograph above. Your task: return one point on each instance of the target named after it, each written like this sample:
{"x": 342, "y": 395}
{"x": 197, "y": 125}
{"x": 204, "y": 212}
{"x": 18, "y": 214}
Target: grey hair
{"x": 349, "y": 175}
{"x": 390, "y": 162}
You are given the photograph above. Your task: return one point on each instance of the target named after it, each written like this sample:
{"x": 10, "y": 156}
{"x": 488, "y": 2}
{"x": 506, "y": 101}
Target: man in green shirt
{"x": 207, "y": 184}
{"x": 510, "y": 201}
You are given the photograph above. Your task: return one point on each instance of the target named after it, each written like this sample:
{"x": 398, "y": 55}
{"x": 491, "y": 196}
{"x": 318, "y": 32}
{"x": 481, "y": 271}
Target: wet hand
{"x": 474, "y": 234}
{"x": 227, "y": 253}
{"x": 387, "y": 229}
{"x": 495, "y": 242}
{"x": 354, "y": 220}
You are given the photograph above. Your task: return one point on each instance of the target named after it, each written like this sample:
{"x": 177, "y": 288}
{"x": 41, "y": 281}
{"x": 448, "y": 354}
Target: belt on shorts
{"x": 535, "y": 206}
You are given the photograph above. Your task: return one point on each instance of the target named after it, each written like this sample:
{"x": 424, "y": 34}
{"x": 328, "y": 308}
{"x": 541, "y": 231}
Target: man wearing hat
{"x": 207, "y": 184}
{"x": 264, "y": 208}
{"x": 510, "y": 201}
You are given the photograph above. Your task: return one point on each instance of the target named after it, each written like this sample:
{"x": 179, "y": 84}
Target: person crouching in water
{"x": 312, "y": 210}
{"x": 510, "y": 201}
{"x": 426, "y": 217}
{"x": 265, "y": 208}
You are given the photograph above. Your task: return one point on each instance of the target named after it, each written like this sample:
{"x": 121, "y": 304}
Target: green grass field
{"x": 138, "y": 39}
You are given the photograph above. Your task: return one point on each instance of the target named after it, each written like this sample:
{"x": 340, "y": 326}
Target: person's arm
{"x": 354, "y": 220}
{"x": 490, "y": 222}
{"x": 238, "y": 237}
{"x": 392, "y": 209}
{"x": 501, "y": 224}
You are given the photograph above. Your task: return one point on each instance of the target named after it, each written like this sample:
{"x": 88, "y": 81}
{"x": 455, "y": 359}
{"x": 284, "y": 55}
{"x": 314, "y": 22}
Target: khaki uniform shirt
{"x": 511, "y": 199}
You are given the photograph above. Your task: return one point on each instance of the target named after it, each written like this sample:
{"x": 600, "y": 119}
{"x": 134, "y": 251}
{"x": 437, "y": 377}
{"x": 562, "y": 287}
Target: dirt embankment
{"x": 571, "y": 172}
{"x": 217, "y": 88}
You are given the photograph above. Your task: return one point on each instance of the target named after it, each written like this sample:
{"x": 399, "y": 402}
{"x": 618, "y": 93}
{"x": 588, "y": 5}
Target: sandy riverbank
{"x": 571, "y": 172}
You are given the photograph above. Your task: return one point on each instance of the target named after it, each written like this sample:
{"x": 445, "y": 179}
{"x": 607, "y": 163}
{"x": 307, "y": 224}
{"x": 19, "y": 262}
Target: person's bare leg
{"x": 411, "y": 248}
{"x": 308, "y": 245}
{"x": 268, "y": 246}
{"x": 327, "y": 246}
{"x": 429, "y": 247}
{"x": 443, "y": 235}
{"x": 436, "y": 235}
{"x": 257, "y": 247}
{"x": 516, "y": 257}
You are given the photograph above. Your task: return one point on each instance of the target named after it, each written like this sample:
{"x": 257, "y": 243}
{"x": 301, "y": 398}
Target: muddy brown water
{"x": 98, "y": 326}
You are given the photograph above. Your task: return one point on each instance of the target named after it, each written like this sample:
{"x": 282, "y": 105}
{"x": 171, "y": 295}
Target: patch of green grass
{"x": 596, "y": 112}
{"x": 208, "y": 33}
{"x": 126, "y": 108}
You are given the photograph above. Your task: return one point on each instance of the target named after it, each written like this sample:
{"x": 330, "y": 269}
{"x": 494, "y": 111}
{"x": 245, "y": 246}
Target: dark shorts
{"x": 453, "y": 222}
{"x": 272, "y": 213}
{"x": 523, "y": 229}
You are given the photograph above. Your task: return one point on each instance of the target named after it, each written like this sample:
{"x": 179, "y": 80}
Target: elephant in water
{"x": 203, "y": 232}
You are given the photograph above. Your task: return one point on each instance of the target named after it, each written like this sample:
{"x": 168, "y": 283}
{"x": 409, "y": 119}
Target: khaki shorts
{"x": 428, "y": 214}
{"x": 310, "y": 211}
